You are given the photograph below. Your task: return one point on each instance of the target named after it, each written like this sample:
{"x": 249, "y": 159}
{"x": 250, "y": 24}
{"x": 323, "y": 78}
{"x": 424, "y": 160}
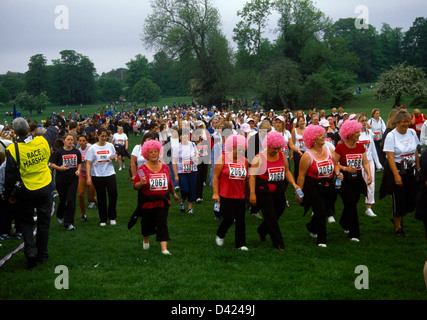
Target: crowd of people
{"x": 250, "y": 154}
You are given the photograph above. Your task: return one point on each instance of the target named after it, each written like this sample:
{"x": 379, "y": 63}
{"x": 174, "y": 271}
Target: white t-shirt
{"x": 140, "y": 160}
{"x": 120, "y": 139}
{"x": 102, "y": 166}
{"x": 404, "y": 146}
{"x": 186, "y": 157}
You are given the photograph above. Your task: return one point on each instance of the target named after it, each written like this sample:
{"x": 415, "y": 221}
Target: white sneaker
{"x": 166, "y": 253}
{"x": 60, "y": 221}
{"x": 355, "y": 239}
{"x": 123, "y": 166}
{"x": 256, "y": 215}
{"x": 313, "y": 235}
{"x": 243, "y": 248}
{"x": 370, "y": 213}
{"x": 331, "y": 219}
{"x": 219, "y": 241}
{"x": 322, "y": 245}
{"x": 120, "y": 169}
{"x": 145, "y": 246}
{"x": 102, "y": 224}
{"x": 113, "y": 222}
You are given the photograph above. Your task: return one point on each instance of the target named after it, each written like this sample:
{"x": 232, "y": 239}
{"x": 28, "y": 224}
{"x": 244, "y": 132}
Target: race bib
{"x": 355, "y": 160}
{"x": 366, "y": 143}
{"x": 158, "y": 182}
{"x": 103, "y": 156}
{"x": 187, "y": 166}
{"x": 202, "y": 151}
{"x": 285, "y": 150}
{"x": 237, "y": 171}
{"x": 408, "y": 160}
{"x": 377, "y": 136}
{"x": 418, "y": 126}
{"x": 70, "y": 160}
{"x": 325, "y": 169}
{"x": 301, "y": 144}
{"x": 276, "y": 174}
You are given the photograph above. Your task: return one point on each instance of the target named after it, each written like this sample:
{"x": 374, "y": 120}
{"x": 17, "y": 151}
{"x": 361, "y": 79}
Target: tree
{"x": 41, "y": 102}
{"x": 137, "y": 69}
{"x": 112, "y": 89}
{"x": 25, "y": 101}
{"x": 36, "y": 78}
{"x": 415, "y": 44}
{"x": 190, "y": 28}
{"x": 4, "y": 94}
{"x": 316, "y": 92}
{"x": 400, "y": 80}
{"x": 146, "y": 91}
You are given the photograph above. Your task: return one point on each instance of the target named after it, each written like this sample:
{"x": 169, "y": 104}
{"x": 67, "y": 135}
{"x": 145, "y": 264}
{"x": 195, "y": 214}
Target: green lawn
{"x": 109, "y": 263}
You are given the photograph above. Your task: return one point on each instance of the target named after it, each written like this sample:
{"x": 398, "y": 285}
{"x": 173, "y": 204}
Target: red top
{"x": 321, "y": 169}
{"x": 232, "y": 179}
{"x": 351, "y": 157}
{"x": 418, "y": 122}
{"x": 158, "y": 184}
{"x": 274, "y": 170}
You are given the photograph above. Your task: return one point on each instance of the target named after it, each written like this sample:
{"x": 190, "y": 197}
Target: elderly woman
{"x": 402, "y": 162}
{"x": 229, "y": 186}
{"x": 268, "y": 173}
{"x": 154, "y": 183}
{"x": 316, "y": 176}
{"x": 352, "y": 158}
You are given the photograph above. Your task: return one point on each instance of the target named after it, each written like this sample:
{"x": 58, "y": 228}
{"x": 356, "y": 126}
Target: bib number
{"x": 158, "y": 182}
{"x": 276, "y": 174}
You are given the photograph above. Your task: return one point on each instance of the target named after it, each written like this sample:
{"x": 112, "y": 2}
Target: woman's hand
{"x": 215, "y": 197}
{"x": 252, "y": 199}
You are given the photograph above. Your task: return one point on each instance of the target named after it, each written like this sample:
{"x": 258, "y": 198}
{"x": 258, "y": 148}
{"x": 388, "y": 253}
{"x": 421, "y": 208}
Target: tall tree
{"x": 36, "y": 78}
{"x": 415, "y": 44}
{"x": 192, "y": 28}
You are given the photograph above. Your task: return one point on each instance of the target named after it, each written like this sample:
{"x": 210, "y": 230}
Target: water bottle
{"x": 300, "y": 193}
{"x": 216, "y": 207}
{"x": 338, "y": 182}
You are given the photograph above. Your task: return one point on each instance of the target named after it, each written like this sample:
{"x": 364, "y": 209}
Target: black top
{"x": 71, "y": 158}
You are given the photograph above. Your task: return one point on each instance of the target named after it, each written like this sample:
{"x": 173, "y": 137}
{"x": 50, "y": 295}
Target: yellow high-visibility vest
{"x": 34, "y": 158}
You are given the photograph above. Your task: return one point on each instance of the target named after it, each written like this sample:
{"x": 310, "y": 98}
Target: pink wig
{"x": 274, "y": 140}
{"x": 348, "y": 128}
{"x": 150, "y": 145}
{"x": 311, "y": 133}
{"x": 235, "y": 141}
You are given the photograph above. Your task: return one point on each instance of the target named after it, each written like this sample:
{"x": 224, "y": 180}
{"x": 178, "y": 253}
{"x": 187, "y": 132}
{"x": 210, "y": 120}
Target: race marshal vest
{"x": 34, "y": 157}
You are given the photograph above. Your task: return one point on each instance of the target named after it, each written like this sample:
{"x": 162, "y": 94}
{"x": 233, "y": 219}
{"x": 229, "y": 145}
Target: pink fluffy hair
{"x": 311, "y": 133}
{"x": 149, "y": 145}
{"x": 274, "y": 140}
{"x": 234, "y": 141}
{"x": 348, "y": 128}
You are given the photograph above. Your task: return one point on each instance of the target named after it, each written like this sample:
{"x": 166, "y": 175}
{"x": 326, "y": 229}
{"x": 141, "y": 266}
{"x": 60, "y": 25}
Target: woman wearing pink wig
{"x": 229, "y": 185}
{"x": 352, "y": 157}
{"x": 267, "y": 183}
{"x": 154, "y": 182}
{"x": 318, "y": 167}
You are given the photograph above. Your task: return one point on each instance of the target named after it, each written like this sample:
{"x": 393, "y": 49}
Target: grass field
{"x": 109, "y": 263}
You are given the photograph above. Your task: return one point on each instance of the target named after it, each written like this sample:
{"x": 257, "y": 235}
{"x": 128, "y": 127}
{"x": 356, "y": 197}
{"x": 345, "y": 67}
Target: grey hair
{"x": 20, "y": 126}
{"x": 401, "y": 115}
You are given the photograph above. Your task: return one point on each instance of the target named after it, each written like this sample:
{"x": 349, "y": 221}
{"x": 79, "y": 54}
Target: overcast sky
{"x": 108, "y": 31}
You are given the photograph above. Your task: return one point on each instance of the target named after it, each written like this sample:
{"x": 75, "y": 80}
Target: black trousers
{"x": 67, "y": 191}
{"x": 42, "y": 201}
{"x": 404, "y": 197}
{"x": 202, "y": 171}
{"x": 104, "y": 186}
{"x": 7, "y": 215}
{"x": 155, "y": 221}
{"x": 233, "y": 209}
{"x": 350, "y": 195}
{"x": 272, "y": 208}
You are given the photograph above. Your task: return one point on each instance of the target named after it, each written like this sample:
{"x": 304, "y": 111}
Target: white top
{"x": 404, "y": 146}
{"x": 119, "y": 139}
{"x": 102, "y": 166}
{"x": 367, "y": 139}
{"x": 299, "y": 141}
{"x": 287, "y": 135}
{"x": 423, "y": 135}
{"x": 378, "y": 128}
{"x": 186, "y": 157}
{"x": 140, "y": 160}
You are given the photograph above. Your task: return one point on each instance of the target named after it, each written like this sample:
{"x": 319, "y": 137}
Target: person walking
{"x": 154, "y": 183}
{"x": 401, "y": 148}
{"x": 229, "y": 189}
{"x": 82, "y": 187}
{"x": 121, "y": 143}
{"x": 184, "y": 163}
{"x": 268, "y": 173}
{"x": 367, "y": 140}
{"x": 27, "y": 166}
{"x": 101, "y": 173}
{"x": 298, "y": 141}
{"x": 67, "y": 162}
{"x": 378, "y": 128}
{"x": 352, "y": 158}
{"x": 316, "y": 178}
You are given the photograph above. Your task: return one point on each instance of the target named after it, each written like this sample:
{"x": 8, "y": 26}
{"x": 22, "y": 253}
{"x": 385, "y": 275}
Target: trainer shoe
{"x": 113, "y": 222}
{"x": 243, "y": 248}
{"x": 256, "y": 215}
{"x": 181, "y": 207}
{"x": 331, "y": 219}
{"x": 166, "y": 252}
{"x": 145, "y": 246}
{"x": 190, "y": 211}
{"x": 83, "y": 219}
{"x": 219, "y": 241}
{"x": 370, "y": 213}
{"x": 322, "y": 245}
{"x": 355, "y": 239}
{"x": 91, "y": 205}
{"x": 120, "y": 169}
{"x": 102, "y": 224}
{"x": 199, "y": 200}
{"x": 70, "y": 227}
{"x": 60, "y": 220}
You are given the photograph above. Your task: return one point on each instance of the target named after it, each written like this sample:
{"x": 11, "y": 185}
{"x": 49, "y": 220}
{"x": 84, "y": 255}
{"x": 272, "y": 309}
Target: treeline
{"x": 312, "y": 62}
